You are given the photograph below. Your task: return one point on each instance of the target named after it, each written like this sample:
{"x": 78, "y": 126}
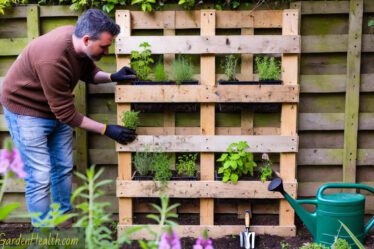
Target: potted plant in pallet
{"x": 269, "y": 70}
{"x": 143, "y": 164}
{"x": 186, "y": 167}
{"x": 161, "y": 165}
{"x": 236, "y": 163}
{"x": 183, "y": 71}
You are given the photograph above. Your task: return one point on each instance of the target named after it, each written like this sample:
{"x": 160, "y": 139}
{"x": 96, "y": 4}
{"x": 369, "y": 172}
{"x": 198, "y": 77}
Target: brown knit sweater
{"x": 41, "y": 81}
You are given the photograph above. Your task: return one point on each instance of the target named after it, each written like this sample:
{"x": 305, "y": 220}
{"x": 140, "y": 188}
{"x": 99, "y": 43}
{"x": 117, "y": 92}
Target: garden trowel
{"x": 247, "y": 238}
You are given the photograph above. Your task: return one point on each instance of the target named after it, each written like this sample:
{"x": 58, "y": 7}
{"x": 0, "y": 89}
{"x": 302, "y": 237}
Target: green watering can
{"x": 324, "y": 223}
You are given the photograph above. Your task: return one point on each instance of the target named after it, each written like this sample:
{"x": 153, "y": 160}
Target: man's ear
{"x": 85, "y": 39}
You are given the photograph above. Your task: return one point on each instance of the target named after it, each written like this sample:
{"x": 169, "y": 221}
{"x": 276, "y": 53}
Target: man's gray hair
{"x": 93, "y": 23}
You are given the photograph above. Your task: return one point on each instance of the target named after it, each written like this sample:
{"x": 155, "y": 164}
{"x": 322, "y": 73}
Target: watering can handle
{"x": 344, "y": 185}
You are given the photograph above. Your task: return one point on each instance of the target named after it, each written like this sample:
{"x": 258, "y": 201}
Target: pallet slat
{"x": 207, "y": 94}
{"x": 174, "y": 143}
{"x": 211, "y": 44}
{"x": 201, "y": 189}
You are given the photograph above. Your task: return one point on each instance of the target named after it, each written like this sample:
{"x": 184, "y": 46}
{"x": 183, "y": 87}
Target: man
{"x": 39, "y": 105}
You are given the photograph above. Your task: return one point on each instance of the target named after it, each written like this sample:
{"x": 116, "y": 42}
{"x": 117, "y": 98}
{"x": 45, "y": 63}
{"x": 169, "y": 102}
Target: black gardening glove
{"x": 123, "y": 74}
{"x": 120, "y": 134}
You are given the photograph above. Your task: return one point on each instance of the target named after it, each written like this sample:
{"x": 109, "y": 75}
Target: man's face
{"x": 95, "y": 49}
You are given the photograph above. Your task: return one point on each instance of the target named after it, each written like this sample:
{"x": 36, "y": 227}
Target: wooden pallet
{"x": 205, "y": 140}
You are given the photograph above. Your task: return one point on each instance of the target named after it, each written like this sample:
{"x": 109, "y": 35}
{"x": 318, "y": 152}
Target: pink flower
{"x": 169, "y": 241}
{"x": 10, "y": 159}
{"x": 203, "y": 244}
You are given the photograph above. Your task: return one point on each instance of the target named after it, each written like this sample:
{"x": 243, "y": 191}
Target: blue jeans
{"x": 45, "y": 146}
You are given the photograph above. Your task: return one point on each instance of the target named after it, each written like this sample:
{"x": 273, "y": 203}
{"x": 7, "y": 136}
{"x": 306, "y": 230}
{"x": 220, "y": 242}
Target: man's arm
{"x": 102, "y": 77}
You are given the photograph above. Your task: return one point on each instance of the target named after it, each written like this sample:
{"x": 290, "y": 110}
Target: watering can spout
{"x": 309, "y": 219}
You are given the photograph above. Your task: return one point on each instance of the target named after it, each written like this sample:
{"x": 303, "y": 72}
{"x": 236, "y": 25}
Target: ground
{"x": 230, "y": 242}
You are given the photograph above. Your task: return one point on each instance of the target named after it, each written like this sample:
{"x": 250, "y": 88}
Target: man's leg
{"x": 30, "y": 136}
{"x": 60, "y": 145}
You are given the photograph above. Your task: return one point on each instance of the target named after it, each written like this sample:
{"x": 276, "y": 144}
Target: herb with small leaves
{"x": 268, "y": 68}
{"x": 229, "y": 65}
{"x": 187, "y": 165}
{"x": 141, "y": 61}
{"x": 130, "y": 119}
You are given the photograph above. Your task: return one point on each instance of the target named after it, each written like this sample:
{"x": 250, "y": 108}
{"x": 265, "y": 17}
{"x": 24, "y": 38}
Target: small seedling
{"x": 182, "y": 69}
{"x": 187, "y": 165}
{"x": 229, "y": 65}
{"x": 130, "y": 119}
{"x": 268, "y": 68}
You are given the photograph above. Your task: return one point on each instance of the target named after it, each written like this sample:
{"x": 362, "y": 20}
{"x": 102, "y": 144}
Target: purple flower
{"x": 203, "y": 244}
{"x": 10, "y": 159}
{"x": 169, "y": 241}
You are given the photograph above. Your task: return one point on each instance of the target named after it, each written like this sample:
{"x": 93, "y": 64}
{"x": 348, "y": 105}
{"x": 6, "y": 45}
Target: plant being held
{"x": 141, "y": 61}
{"x": 236, "y": 162}
{"x": 130, "y": 119}
{"x": 266, "y": 170}
{"x": 182, "y": 69}
{"x": 229, "y": 65}
{"x": 268, "y": 68}
{"x": 187, "y": 165}
{"x": 160, "y": 73}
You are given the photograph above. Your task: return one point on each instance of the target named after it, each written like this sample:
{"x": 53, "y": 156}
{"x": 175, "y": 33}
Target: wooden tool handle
{"x": 247, "y": 216}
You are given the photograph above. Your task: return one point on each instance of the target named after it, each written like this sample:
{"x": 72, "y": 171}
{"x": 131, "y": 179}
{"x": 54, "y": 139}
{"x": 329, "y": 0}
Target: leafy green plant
{"x": 268, "y": 68}
{"x": 284, "y": 245}
{"x": 187, "y": 164}
{"x": 340, "y": 244}
{"x": 266, "y": 170}
{"x": 161, "y": 165}
{"x": 187, "y": 4}
{"x": 130, "y": 119}
{"x": 141, "y": 61}
{"x": 143, "y": 162}
{"x": 313, "y": 246}
{"x": 145, "y": 5}
{"x": 160, "y": 73}
{"x": 229, "y": 65}
{"x": 93, "y": 212}
{"x": 182, "y": 69}
{"x": 236, "y": 162}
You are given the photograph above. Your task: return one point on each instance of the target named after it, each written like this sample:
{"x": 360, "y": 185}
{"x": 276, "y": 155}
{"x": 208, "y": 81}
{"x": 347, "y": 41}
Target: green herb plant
{"x": 236, "y": 162}
{"x": 141, "y": 61}
{"x": 145, "y": 5}
{"x": 130, "y": 119}
{"x": 266, "y": 170}
{"x": 229, "y": 65}
{"x": 314, "y": 246}
{"x": 160, "y": 73}
{"x": 340, "y": 244}
{"x": 143, "y": 162}
{"x": 161, "y": 165}
{"x": 268, "y": 68}
{"x": 187, "y": 165}
{"x": 182, "y": 69}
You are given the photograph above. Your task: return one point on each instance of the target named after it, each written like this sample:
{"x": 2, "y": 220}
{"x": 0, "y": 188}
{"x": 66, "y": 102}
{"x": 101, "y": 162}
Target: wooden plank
{"x": 207, "y": 94}
{"x": 352, "y": 90}
{"x": 207, "y": 114}
{"x": 81, "y": 146}
{"x": 225, "y": 19}
{"x": 369, "y": 6}
{"x": 211, "y": 44}
{"x": 290, "y": 74}
{"x": 12, "y": 46}
{"x": 202, "y": 189}
{"x": 16, "y": 12}
{"x": 210, "y": 143}
{"x": 324, "y": 43}
{"x": 322, "y": 7}
{"x": 33, "y": 29}
{"x": 58, "y": 11}
{"x": 124, "y": 159}
{"x": 214, "y": 231}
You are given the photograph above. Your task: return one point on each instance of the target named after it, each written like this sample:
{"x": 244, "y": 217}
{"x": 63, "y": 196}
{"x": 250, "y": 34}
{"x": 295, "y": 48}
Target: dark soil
{"x": 229, "y": 242}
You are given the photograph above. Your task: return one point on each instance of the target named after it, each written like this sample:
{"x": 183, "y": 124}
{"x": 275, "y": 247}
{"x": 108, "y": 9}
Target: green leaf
{"x": 234, "y": 178}
{"x": 354, "y": 238}
{"x": 234, "y": 165}
{"x": 225, "y": 179}
{"x": 226, "y": 164}
{"x": 5, "y": 211}
{"x": 220, "y": 170}
{"x": 136, "y": 2}
{"x": 234, "y": 156}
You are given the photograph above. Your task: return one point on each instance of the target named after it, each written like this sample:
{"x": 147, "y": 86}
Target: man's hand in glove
{"x": 120, "y": 134}
{"x": 123, "y": 74}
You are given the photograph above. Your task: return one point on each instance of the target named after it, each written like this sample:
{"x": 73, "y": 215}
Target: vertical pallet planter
{"x": 207, "y": 140}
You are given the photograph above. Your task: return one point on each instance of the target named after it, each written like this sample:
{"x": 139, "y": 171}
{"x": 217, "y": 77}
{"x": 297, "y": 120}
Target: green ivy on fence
{"x": 108, "y": 6}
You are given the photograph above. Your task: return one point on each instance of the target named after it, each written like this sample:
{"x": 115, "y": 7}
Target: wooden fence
{"x": 325, "y": 41}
